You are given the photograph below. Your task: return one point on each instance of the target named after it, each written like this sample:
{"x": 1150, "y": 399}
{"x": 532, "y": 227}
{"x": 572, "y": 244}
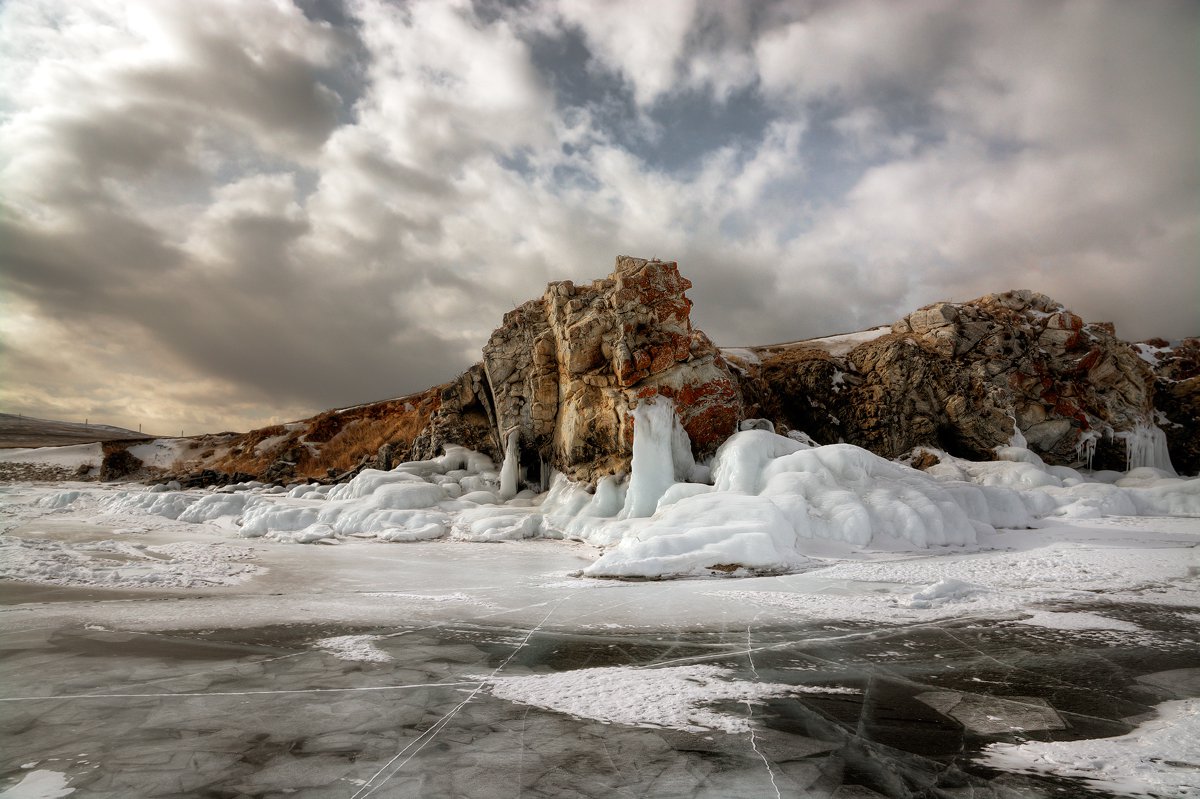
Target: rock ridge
{"x": 560, "y": 376}
{"x": 967, "y": 377}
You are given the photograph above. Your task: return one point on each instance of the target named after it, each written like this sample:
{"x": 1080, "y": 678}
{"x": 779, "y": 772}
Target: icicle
{"x": 1018, "y": 438}
{"x": 1085, "y": 447}
{"x": 662, "y": 454}
{"x": 511, "y": 468}
{"x": 1146, "y": 445}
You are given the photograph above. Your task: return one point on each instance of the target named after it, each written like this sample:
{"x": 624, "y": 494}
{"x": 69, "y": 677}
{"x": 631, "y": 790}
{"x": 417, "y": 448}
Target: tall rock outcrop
{"x": 564, "y": 371}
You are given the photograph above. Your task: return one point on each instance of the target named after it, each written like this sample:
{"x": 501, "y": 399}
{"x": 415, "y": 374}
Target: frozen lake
{"x": 264, "y": 711}
{"x": 456, "y": 669}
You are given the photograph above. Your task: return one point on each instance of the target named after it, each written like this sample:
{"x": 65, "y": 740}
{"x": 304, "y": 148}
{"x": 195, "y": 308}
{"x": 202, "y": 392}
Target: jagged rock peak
{"x": 565, "y": 370}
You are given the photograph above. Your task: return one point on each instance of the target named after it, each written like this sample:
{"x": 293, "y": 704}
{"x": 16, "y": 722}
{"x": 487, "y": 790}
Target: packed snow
{"x": 1161, "y": 758}
{"x": 124, "y": 564}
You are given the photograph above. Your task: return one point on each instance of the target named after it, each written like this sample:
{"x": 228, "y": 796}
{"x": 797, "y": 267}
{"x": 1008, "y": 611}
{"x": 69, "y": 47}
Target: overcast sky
{"x": 216, "y": 215}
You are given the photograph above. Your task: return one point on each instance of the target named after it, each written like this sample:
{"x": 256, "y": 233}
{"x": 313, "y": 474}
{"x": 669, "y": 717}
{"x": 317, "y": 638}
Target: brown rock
{"x": 565, "y": 370}
{"x": 955, "y": 375}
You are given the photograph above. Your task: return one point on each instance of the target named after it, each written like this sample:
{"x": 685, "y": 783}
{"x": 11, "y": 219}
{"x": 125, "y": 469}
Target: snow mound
{"x": 945, "y": 591}
{"x": 770, "y": 493}
{"x": 1144, "y": 490}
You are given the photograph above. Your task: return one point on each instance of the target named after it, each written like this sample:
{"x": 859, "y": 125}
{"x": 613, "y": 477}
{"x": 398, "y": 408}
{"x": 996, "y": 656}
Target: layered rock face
{"x": 565, "y": 370}
{"x": 958, "y": 375}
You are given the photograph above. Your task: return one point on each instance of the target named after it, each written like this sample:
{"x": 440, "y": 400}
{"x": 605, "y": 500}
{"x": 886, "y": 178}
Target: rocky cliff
{"x": 966, "y": 378}
{"x": 1177, "y": 397}
{"x": 560, "y": 376}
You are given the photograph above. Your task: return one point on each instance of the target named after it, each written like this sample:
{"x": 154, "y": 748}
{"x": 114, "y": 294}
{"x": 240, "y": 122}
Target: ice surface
{"x": 732, "y": 708}
{"x": 853, "y": 673}
{"x": 988, "y": 715}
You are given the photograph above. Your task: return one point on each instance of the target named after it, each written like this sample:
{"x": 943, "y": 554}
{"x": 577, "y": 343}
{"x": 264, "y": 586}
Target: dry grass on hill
{"x": 336, "y": 439}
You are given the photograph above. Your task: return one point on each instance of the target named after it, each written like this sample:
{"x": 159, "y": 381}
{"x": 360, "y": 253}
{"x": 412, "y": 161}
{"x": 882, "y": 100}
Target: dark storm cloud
{"x": 242, "y": 210}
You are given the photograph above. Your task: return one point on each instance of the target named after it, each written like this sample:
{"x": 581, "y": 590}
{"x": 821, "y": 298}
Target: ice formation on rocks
{"x": 763, "y": 504}
{"x": 1146, "y": 445}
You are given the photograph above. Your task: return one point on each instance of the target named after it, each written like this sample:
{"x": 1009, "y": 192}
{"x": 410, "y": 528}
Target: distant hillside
{"x": 25, "y": 431}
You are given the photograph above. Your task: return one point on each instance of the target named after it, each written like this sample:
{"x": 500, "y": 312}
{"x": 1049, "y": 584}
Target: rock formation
{"x": 559, "y": 377}
{"x": 958, "y": 376}
{"x": 564, "y": 371}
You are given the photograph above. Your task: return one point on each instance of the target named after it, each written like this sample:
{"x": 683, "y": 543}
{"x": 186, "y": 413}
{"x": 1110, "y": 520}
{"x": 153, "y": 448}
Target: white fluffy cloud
{"x": 244, "y": 210}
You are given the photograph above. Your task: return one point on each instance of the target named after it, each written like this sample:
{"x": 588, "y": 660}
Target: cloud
{"x": 253, "y": 210}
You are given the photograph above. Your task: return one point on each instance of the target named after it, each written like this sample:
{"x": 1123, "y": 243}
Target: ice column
{"x": 511, "y": 468}
{"x": 661, "y": 449}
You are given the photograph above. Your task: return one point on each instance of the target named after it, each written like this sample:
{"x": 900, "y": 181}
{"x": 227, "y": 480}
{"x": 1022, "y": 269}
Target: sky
{"x": 217, "y": 215}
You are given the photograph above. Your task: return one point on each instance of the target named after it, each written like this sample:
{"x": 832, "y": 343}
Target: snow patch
{"x": 1077, "y": 620}
{"x": 675, "y": 697}
{"x": 40, "y": 784}
{"x": 161, "y": 453}
{"x": 1160, "y": 758}
{"x": 70, "y": 457}
{"x": 358, "y": 648}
